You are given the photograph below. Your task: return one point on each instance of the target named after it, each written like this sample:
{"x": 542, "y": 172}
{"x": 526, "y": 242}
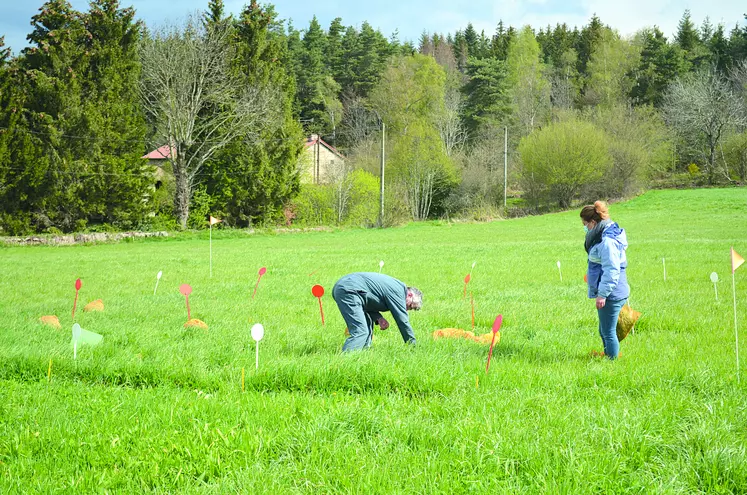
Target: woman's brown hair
{"x": 596, "y": 212}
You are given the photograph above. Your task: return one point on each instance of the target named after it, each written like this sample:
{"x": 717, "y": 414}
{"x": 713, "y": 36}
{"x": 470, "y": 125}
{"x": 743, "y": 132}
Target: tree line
{"x": 588, "y": 113}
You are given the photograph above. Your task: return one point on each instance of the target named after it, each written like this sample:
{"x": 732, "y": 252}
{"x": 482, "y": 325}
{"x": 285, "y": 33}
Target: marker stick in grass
{"x": 468, "y": 278}
{"x": 258, "y": 332}
{"x": 158, "y": 279}
{"x": 242, "y": 379}
{"x": 49, "y": 371}
{"x": 472, "y": 302}
{"x": 381, "y": 265}
{"x": 560, "y": 271}
{"x": 213, "y": 221}
{"x": 714, "y": 279}
{"x": 664, "y": 265}
{"x": 496, "y": 328}
{"x": 76, "y": 337}
{"x": 78, "y": 285}
{"x": 318, "y": 292}
{"x": 262, "y": 271}
{"x": 186, "y": 290}
{"x": 736, "y": 262}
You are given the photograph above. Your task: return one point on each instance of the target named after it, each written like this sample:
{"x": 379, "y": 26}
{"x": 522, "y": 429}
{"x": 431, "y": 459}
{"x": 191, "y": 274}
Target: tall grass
{"x": 157, "y": 408}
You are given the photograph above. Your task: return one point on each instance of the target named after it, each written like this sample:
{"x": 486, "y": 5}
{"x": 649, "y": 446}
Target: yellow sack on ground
{"x": 626, "y": 321}
{"x": 458, "y": 333}
{"x": 97, "y": 305}
{"x": 51, "y": 320}
{"x": 195, "y": 323}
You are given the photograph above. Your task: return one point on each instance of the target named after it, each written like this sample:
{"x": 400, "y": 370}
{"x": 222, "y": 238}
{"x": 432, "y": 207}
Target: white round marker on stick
{"x": 258, "y": 332}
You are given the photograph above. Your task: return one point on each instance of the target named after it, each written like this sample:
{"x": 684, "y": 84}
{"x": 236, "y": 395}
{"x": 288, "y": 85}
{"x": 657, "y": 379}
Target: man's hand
{"x": 383, "y": 324}
{"x": 601, "y": 301}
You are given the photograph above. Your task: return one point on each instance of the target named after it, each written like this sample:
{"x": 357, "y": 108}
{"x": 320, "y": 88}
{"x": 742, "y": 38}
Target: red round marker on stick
{"x": 262, "y": 271}
{"x": 186, "y": 290}
{"x": 318, "y": 292}
{"x": 496, "y": 327}
{"x": 586, "y": 278}
{"x": 466, "y": 281}
{"x": 78, "y": 285}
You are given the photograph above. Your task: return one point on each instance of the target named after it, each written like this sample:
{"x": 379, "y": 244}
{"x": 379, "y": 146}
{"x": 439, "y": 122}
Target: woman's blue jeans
{"x": 608, "y": 326}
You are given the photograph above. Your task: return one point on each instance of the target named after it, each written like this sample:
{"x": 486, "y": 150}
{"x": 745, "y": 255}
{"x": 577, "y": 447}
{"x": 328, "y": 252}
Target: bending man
{"x": 361, "y": 297}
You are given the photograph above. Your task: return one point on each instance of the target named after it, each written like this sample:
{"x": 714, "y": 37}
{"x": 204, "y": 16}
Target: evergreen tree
{"x": 720, "y": 51}
{"x": 309, "y": 80}
{"x": 77, "y": 122}
{"x": 346, "y": 76}
{"x": 114, "y": 116}
{"x": 588, "y": 38}
{"x": 369, "y": 59}
{"x": 687, "y": 35}
{"x": 333, "y": 54}
{"x": 250, "y": 183}
{"x": 660, "y": 64}
{"x": 487, "y": 94}
{"x": 215, "y": 12}
{"x": 460, "y": 50}
{"x": 738, "y": 43}
{"x": 688, "y": 39}
{"x": 471, "y": 40}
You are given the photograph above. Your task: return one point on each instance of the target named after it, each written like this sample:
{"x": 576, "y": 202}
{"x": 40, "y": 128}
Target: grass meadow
{"x": 157, "y": 408}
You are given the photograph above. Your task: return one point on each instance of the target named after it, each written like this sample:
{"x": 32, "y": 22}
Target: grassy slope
{"x": 132, "y": 414}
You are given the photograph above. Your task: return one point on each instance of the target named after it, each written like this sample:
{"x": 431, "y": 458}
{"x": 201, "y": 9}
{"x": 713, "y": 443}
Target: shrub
{"x": 735, "y": 155}
{"x": 559, "y": 161}
{"x": 314, "y": 205}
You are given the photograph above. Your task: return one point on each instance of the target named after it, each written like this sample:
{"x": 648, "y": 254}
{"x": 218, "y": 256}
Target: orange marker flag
{"x": 736, "y": 260}
{"x": 214, "y": 220}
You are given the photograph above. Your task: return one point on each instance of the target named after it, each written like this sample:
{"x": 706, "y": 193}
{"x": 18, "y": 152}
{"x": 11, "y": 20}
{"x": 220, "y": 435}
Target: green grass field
{"x": 157, "y": 408}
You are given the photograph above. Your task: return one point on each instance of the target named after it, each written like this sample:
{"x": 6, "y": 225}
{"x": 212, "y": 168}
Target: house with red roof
{"x": 319, "y": 161}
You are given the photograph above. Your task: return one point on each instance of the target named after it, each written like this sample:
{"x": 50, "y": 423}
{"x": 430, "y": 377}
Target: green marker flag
{"x": 89, "y": 338}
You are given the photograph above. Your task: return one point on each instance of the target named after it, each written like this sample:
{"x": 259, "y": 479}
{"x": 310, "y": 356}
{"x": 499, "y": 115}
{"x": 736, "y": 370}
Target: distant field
{"x": 157, "y": 408}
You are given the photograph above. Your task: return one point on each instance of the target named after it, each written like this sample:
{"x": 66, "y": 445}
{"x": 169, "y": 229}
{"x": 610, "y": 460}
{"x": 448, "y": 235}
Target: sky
{"x": 411, "y": 18}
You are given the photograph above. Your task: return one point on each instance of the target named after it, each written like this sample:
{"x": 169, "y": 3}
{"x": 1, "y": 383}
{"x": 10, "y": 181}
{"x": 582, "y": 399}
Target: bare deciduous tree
{"x": 359, "y": 124}
{"x": 339, "y": 175}
{"x": 449, "y": 122}
{"x": 701, "y": 108}
{"x": 197, "y": 103}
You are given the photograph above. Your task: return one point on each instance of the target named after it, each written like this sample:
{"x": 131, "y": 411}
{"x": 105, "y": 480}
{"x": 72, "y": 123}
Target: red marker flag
{"x": 466, "y": 281}
{"x": 78, "y": 284}
{"x": 496, "y": 328}
{"x": 318, "y": 292}
{"x": 186, "y": 290}
{"x": 262, "y": 271}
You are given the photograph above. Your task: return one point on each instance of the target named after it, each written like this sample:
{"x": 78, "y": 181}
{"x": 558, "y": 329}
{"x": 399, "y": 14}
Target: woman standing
{"x": 606, "y": 244}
